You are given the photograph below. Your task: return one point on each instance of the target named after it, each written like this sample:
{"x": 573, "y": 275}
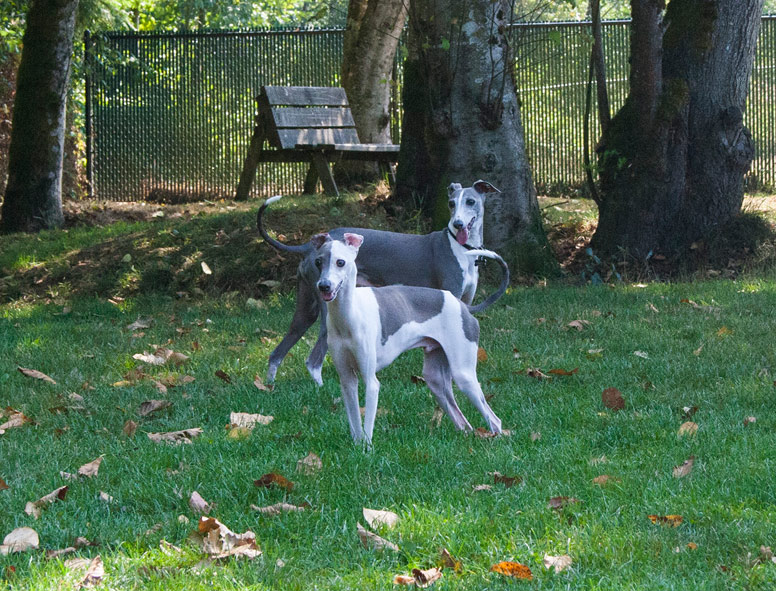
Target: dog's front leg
{"x": 370, "y": 405}
{"x": 346, "y": 368}
{"x": 314, "y": 361}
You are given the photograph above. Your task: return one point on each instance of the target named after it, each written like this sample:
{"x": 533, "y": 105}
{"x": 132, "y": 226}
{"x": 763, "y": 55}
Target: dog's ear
{"x": 319, "y": 240}
{"x": 483, "y": 187}
{"x": 452, "y": 188}
{"x": 353, "y": 240}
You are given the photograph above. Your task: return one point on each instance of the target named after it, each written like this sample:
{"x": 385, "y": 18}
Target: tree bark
{"x": 371, "y": 37}
{"x": 462, "y": 123}
{"x": 33, "y": 196}
{"x": 673, "y": 159}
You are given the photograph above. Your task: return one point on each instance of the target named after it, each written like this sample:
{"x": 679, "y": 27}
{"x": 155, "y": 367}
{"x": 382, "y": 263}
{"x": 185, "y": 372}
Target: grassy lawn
{"x": 697, "y": 351}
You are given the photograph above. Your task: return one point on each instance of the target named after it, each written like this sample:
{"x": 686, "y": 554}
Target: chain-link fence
{"x": 171, "y": 114}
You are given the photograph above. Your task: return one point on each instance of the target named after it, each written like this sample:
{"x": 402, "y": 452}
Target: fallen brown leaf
{"x": 747, "y": 421}
{"x": 482, "y": 487}
{"x": 507, "y": 481}
{"x": 669, "y": 520}
{"x": 558, "y": 503}
{"x": 578, "y": 324}
{"x": 688, "y": 428}
{"x": 309, "y": 465}
{"x": 436, "y": 417}
{"x": 273, "y": 479}
{"x": 3, "y": 485}
{"x": 447, "y": 561}
{"x": 248, "y": 420}
{"x": 223, "y": 376}
{"x": 372, "y": 541}
{"x": 139, "y": 324}
{"x": 279, "y": 508}
{"x": 150, "y": 406}
{"x": 425, "y": 578}
{"x": 512, "y": 569}
{"x": 35, "y": 374}
{"x": 533, "y": 372}
{"x": 482, "y": 355}
{"x": 483, "y": 433}
{"x": 19, "y": 540}
{"x": 219, "y": 541}
{"x": 559, "y": 563}
{"x": 612, "y": 398}
{"x": 15, "y": 419}
{"x": 129, "y": 428}
{"x": 417, "y": 379}
{"x": 685, "y": 468}
{"x": 198, "y": 504}
{"x": 563, "y": 372}
{"x": 176, "y": 437}
{"x": 257, "y": 381}
{"x": 94, "y": 573}
{"x": 91, "y": 468}
{"x": 604, "y": 479}
{"x": 35, "y": 508}
{"x": 377, "y": 518}
{"x": 105, "y": 497}
{"x": 51, "y": 554}
{"x": 403, "y": 580}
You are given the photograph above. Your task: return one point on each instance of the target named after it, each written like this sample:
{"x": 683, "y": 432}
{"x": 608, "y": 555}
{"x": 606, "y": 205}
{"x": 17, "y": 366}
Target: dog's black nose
{"x": 324, "y": 287}
{"x": 457, "y": 224}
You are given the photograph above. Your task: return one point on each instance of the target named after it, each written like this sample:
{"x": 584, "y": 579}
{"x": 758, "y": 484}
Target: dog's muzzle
{"x": 327, "y": 293}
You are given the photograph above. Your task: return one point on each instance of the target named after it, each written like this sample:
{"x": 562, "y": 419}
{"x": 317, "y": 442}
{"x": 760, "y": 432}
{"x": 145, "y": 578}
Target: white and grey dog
{"x": 369, "y": 327}
{"x": 437, "y": 260}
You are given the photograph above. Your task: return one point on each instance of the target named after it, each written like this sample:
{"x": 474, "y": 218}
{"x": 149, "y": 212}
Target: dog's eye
{"x": 318, "y": 262}
{"x": 451, "y": 204}
{"x": 340, "y": 263}
{"x": 470, "y": 202}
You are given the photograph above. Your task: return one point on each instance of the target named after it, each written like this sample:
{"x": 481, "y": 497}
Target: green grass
{"x": 718, "y": 356}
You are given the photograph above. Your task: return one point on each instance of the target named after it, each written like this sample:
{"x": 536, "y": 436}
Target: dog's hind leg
{"x": 436, "y": 372}
{"x": 307, "y": 308}
{"x": 464, "y": 370}
{"x": 314, "y": 361}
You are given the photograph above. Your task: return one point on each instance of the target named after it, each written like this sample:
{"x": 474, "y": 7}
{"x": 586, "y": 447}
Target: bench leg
{"x": 251, "y": 164}
{"x": 310, "y": 180}
{"x": 324, "y": 172}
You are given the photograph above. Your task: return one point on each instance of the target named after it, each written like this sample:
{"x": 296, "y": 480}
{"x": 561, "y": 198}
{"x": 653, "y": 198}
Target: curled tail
{"x": 491, "y": 299}
{"x": 301, "y": 248}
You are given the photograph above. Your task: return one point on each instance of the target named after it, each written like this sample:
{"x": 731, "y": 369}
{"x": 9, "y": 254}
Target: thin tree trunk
{"x": 673, "y": 159}
{"x": 462, "y": 123}
{"x": 371, "y": 39}
{"x": 33, "y": 196}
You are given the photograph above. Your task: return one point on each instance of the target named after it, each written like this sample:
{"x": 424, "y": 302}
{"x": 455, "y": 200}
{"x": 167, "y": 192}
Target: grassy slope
{"x": 425, "y": 475}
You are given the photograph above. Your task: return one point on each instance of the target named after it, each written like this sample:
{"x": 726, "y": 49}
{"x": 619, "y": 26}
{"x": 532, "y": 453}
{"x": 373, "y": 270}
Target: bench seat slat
{"x": 301, "y": 96}
{"x": 293, "y": 138}
{"x": 312, "y": 117}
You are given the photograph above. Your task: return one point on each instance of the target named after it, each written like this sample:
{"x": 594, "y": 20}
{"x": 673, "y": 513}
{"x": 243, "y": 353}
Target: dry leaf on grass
{"x": 604, "y": 479}
{"x": 161, "y": 356}
{"x": 105, "y": 497}
{"x": 534, "y": 372}
{"x": 747, "y": 421}
{"x": 669, "y": 520}
{"x": 19, "y": 540}
{"x": 425, "y": 578}
{"x": 279, "y": 508}
{"x": 94, "y": 573}
{"x": 641, "y": 354}
{"x": 15, "y": 419}
{"x": 436, "y": 417}
{"x": 578, "y": 324}
{"x": 51, "y": 554}
{"x": 309, "y": 465}
{"x": 35, "y": 374}
{"x": 563, "y": 372}
{"x": 221, "y": 374}
{"x": 403, "y": 580}
{"x": 612, "y": 398}
{"x": 3, "y": 485}
{"x": 91, "y": 468}
{"x": 198, "y": 504}
{"x": 372, "y": 541}
{"x": 139, "y": 324}
{"x": 248, "y": 420}
{"x": 483, "y": 433}
{"x": 175, "y": 437}
{"x": 507, "y": 481}
{"x": 482, "y": 487}
{"x": 35, "y": 508}
{"x": 257, "y": 381}
{"x": 129, "y": 428}
{"x": 512, "y": 569}
{"x": 219, "y": 541}
{"x": 535, "y": 435}
{"x": 376, "y": 518}
{"x": 482, "y": 355}
{"x": 685, "y": 468}
{"x": 559, "y": 563}
{"x": 446, "y": 560}
{"x": 688, "y": 428}
{"x": 559, "y": 503}
{"x": 273, "y": 479}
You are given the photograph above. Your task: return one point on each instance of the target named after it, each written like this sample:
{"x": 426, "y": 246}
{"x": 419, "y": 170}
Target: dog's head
{"x": 467, "y": 208}
{"x": 336, "y": 262}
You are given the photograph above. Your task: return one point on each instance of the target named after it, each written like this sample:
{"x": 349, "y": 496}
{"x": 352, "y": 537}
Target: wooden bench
{"x": 309, "y": 124}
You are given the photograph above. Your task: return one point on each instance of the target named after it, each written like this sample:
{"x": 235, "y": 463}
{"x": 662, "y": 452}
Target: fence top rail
{"x": 211, "y": 33}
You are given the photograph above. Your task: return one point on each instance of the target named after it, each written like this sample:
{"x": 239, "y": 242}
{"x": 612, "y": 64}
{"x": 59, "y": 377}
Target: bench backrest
{"x": 306, "y": 115}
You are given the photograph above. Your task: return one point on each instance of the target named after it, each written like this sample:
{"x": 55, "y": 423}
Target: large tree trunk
{"x": 673, "y": 159}
{"x": 33, "y": 196}
{"x": 371, "y": 38}
{"x": 462, "y": 123}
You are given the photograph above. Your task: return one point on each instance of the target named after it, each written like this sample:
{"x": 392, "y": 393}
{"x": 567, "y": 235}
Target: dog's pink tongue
{"x": 462, "y": 236}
